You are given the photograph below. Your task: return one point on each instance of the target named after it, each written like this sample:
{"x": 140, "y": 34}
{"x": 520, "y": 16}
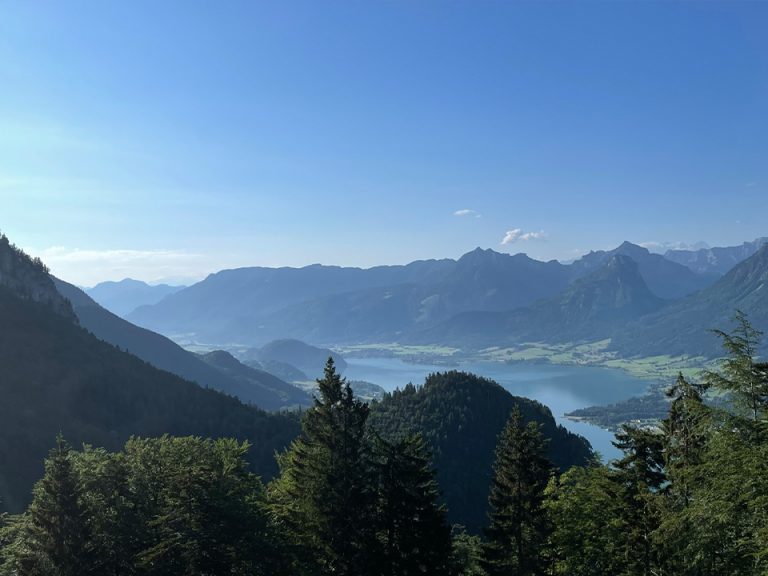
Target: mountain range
{"x": 56, "y": 376}
{"x": 331, "y": 305}
{"x": 484, "y": 298}
{"x": 126, "y": 295}
{"x": 715, "y": 260}
{"x": 591, "y": 308}
{"x": 684, "y": 327}
{"x": 260, "y": 388}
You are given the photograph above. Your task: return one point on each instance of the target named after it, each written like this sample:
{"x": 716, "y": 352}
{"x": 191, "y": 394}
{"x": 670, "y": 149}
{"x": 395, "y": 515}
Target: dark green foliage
{"x": 57, "y": 533}
{"x": 640, "y": 475}
{"x": 585, "y": 509}
{"x": 460, "y": 417}
{"x": 690, "y": 499}
{"x": 54, "y": 376}
{"x": 163, "y": 506}
{"x": 214, "y": 371}
{"x": 739, "y": 374}
{"x": 326, "y": 494}
{"x": 518, "y": 527}
{"x": 466, "y": 553}
{"x": 211, "y": 517}
{"x": 413, "y": 533}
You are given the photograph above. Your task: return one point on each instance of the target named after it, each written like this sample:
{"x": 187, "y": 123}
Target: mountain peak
{"x": 631, "y": 249}
{"x": 28, "y": 278}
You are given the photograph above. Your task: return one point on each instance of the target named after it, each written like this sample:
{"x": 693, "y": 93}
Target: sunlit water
{"x": 562, "y": 388}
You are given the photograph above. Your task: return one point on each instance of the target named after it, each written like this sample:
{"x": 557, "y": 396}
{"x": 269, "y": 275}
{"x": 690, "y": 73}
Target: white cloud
{"x": 516, "y": 234}
{"x": 540, "y": 235}
{"x": 467, "y": 212}
{"x": 511, "y": 236}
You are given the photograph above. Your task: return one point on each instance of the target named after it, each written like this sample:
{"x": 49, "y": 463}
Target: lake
{"x": 561, "y": 388}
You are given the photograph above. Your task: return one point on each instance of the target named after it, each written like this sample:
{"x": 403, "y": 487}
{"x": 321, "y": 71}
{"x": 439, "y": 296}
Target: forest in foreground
{"x": 689, "y": 497}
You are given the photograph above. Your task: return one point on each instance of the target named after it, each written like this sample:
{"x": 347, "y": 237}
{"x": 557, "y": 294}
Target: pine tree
{"x": 739, "y": 374}
{"x": 518, "y": 528}
{"x": 210, "y": 516}
{"x": 415, "y": 537}
{"x": 685, "y": 434}
{"x": 57, "y": 532}
{"x": 326, "y": 495}
{"x": 640, "y": 474}
{"x": 589, "y": 530}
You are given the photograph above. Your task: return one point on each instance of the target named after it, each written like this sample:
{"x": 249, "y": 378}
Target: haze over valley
{"x": 392, "y": 288}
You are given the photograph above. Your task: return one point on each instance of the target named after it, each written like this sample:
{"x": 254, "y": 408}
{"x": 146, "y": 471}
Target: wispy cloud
{"x": 661, "y": 247}
{"x": 88, "y": 267}
{"x": 467, "y": 212}
{"x": 517, "y": 234}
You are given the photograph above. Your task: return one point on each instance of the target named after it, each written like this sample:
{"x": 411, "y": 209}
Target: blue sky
{"x": 171, "y": 139}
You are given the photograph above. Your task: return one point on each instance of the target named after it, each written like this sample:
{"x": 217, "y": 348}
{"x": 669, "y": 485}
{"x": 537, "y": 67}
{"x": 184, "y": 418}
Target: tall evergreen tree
{"x": 412, "y": 528}
{"x": 518, "y": 529}
{"x": 116, "y": 529}
{"x": 326, "y": 495}
{"x": 640, "y": 474}
{"x": 57, "y": 534}
{"x": 685, "y": 434}
{"x": 739, "y": 373}
{"x": 589, "y": 529}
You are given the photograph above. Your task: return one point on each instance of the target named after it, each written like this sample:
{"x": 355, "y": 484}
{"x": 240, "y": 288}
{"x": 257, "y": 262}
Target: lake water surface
{"x": 561, "y": 388}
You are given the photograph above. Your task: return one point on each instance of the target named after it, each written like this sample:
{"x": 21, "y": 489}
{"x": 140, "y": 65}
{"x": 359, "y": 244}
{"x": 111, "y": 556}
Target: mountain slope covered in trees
{"x": 460, "y": 417}
{"x": 57, "y": 377}
{"x": 260, "y": 388}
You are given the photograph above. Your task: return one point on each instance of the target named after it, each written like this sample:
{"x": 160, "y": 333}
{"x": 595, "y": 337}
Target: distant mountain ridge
{"x": 715, "y": 260}
{"x": 683, "y": 327}
{"x": 126, "y": 295}
{"x": 329, "y": 306}
{"x": 664, "y": 278}
{"x": 262, "y": 389}
{"x": 592, "y": 308}
{"x": 55, "y": 377}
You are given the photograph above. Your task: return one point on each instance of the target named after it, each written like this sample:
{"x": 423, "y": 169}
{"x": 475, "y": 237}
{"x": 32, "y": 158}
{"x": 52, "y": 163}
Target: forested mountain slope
{"x": 260, "y": 389}
{"x": 460, "y": 416}
{"x": 57, "y": 377}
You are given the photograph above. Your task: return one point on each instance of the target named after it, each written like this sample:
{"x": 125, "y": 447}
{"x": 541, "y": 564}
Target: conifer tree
{"x": 640, "y": 474}
{"x": 518, "y": 529}
{"x": 412, "y": 527}
{"x": 57, "y": 532}
{"x": 326, "y": 495}
{"x": 739, "y": 373}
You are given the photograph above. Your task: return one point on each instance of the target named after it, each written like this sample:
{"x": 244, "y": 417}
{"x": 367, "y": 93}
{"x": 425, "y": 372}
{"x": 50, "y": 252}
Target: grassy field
{"x": 654, "y": 368}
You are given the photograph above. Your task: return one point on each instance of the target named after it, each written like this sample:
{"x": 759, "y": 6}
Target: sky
{"x": 167, "y": 140}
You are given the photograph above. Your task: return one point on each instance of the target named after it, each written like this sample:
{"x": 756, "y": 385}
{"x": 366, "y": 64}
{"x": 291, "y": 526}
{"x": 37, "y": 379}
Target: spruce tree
{"x": 640, "y": 474}
{"x": 518, "y": 529}
{"x": 412, "y": 527}
{"x": 326, "y": 495}
{"x": 739, "y": 373}
{"x": 57, "y": 532}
